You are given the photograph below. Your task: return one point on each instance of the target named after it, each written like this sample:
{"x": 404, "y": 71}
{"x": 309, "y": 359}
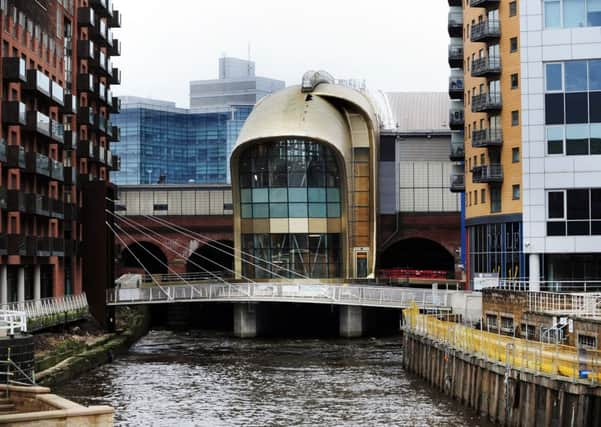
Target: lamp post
{"x": 149, "y": 172}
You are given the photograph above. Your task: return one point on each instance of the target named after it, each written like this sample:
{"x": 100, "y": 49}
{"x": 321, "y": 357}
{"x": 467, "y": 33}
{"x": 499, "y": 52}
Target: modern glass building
{"x": 162, "y": 143}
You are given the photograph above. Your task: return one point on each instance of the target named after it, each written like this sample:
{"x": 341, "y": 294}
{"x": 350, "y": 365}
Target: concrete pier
{"x": 507, "y": 396}
{"x": 245, "y": 320}
{"x": 351, "y": 321}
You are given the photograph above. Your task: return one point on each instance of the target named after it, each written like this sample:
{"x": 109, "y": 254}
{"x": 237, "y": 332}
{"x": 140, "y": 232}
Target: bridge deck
{"x": 365, "y": 296}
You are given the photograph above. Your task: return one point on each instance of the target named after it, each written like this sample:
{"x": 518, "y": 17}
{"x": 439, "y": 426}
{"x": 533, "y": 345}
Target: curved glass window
{"x": 289, "y": 179}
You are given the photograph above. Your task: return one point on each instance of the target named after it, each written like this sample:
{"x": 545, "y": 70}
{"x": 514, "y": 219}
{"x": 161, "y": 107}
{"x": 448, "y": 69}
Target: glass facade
{"x": 294, "y": 185}
{"x": 176, "y": 146}
{"x": 497, "y": 248}
{"x": 572, "y": 13}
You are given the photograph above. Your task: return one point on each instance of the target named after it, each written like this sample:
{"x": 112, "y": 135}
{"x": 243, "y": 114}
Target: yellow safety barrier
{"x": 552, "y": 359}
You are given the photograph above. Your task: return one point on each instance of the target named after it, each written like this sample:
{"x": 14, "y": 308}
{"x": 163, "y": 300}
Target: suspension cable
{"x": 138, "y": 260}
{"x": 129, "y": 222}
{"x": 211, "y": 243}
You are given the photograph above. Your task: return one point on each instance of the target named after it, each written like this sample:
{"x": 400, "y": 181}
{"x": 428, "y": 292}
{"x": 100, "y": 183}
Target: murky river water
{"x": 206, "y": 379}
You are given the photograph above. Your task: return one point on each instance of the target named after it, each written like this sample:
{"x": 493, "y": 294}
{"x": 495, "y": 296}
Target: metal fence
{"x": 515, "y": 353}
{"x": 372, "y": 296}
{"x": 567, "y": 304}
{"x": 551, "y": 285}
{"x": 12, "y": 321}
{"x": 48, "y": 312}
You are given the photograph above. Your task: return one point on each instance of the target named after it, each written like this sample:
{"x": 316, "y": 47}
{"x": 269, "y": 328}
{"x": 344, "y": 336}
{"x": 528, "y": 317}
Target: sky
{"x": 395, "y": 45}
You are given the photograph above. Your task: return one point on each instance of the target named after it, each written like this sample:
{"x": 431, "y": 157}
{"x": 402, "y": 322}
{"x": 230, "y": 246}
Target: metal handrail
{"x": 12, "y": 321}
{"x": 33, "y": 309}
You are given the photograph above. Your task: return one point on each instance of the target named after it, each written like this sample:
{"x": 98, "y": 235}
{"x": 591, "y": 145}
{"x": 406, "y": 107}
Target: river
{"x": 210, "y": 379}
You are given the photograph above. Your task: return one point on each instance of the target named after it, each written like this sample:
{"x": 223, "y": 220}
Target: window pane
{"x": 297, "y": 194}
{"x": 577, "y": 107}
{"x": 573, "y": 13}
{"x": 577, "y": 140}
{"x": 578, "y": 228}
{"x": 594, "y": 13}
{"x": 333, "y": 210}
{"x": 317, "y": 194}
{"x": 247, "y": 211}
{"x": 260, "y": 195}
{"x": 555, "y": 140}
{"x": 552, "y": 14}
{"x": 575, "y": 73}
{"x": 554, "y": 78}
{"x": 333, "y": 195}
{"x": 596, "y": 204}
{"x": 317, "y": 210}
{"x": 556, "y": 228}
{"x": 278, "y": 210}
{"x": 261, "y": 211}
{"x": 596, "y": 139}
{"x": 596, "y": 228}
{"x": 298, "y": 210}
{"x": 578, "y": 204}
{"x": 556, "y": 209}
{"x": 245, "y": 196}
{"x": 594, "y": 71}
{"x": 278, "y": 195}
{"x": 554, "y": 104}
{"x": 595, "y": 107}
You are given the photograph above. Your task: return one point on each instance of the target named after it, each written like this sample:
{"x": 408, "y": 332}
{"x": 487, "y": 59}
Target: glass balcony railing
{"x": 57, "y": 170}
{"x": 116, "y": 19}
{"x": 102, "y": 29}
{"x": 487, "y": 66}
{"x": 58, "y": 93}
{"x": 455, "y": 25}
{"x": 486, "y": 31}
{"x": 487, "y": 138}
{"x": 39, "y": 82}
{"x": 102, "y": 154}
{"x": 57, "y": 131}
{"x": 102, "y": 60}
{"x": 457, "y": 146}
{"x": 492, "y": 173}
{"x": 456, "y": 115}
{"x": 86, "y": 17}
{"x": 38, "y": 164}
{"x": 458, "y": 182}
{"x": 2, "y": 150}
{"x": 14, "y": 113}
{"x": 15, "y": 156}
{"x": 102, "y": 91}
{"x": 3, "y": 198}
{"x": 38, "y": 122}
{"x": 486, "y": 102}
{"x": 456, "y": 88}
{"x": 14, "y": 69}
{"x": 115, "y": 50}
{"x": 456, "y": 55}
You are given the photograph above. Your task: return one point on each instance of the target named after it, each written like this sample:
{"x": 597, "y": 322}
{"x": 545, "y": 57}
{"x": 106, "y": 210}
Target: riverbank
{"x": 61, "y": 357}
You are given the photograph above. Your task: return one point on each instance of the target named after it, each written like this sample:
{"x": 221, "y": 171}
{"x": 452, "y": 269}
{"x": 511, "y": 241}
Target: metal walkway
{"x": 364, "y": 296}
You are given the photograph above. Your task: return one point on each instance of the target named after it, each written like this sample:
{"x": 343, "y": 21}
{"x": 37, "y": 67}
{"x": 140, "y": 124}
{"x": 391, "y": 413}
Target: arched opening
{"x": 144, "y": 257}
{"x": 417, "y": 254}
{"x": 216, "y": 257}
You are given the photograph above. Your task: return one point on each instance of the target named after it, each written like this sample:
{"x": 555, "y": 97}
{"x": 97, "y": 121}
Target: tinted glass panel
{"x": 578, "y": 204}
{"x": 388, "y": 150}
{"x": 554, "y": 109}
{"x": 594, "y": 73}
{"x": 594, "y": 13}
{"x": 596, "y": 139}
{"x": 297, "y": 194}
{"x": 317, "y": 210}
{"x": 555, "y": 140}
{"x": 261, "y": 210}
{"x": 552, "y": 14}
{"x": 576, "y": 107}
{"x": 556, "y": 228}
{"x": 596, "y": 204}
{"x": 577, "y": 140}
{"x": 553, "y": 77}
{"x": 579, "y": 228}
{"x": 573, "y": 13}
{"x": 595, "y": 107}
{"x": 278, "y": 210}
{"x": 596, "y": 228}
{"x": 556, "y": 208}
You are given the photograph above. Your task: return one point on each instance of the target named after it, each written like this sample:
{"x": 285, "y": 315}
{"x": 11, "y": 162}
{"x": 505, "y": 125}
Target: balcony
{"x": 37, "y": 164}
{"x": 70, "y": 174}
{"x": 456, "y": 55}
{"x": 115, "y": 134}
{"x": 71, "y": 212}
{"x": 101, "y": 154}
{"x": 116, "y": 163}
{"x": 3, "y": 244}
{"x": 486, "y": 31}
{"x": 13, "y": 70}
{"x": 456, "y": 116}
{"x": 70, "y": 104}
{"x": 455, "y": 26}
{"x": 102, "y": 92}
{"x": 116, "y": 76}
{"x": 103, "y": 34}
{"x": 3, "y": 150}
{"x": 456, "y": 85}
{"x": 487, "y": 174}
{"x": 14, "y": 113}
{"x": 38, "y": 122}
{"x": 102, "y": 7}
{"x": 115, "y": 105}
{"x": 85, "y": 83}
{"x": 57, "y": 170}
{"x": 38, "y": 204}
{"x": 16, "y": 201}
{"x": 115, "y": 49}
{"x": 19, "y": 245}
{"x": 101, "y": 124}
{"x": 70, "y": 139}
{"x": 71, "y": 248}
{"x": 87, "y": 116}
{"x": 3, "y": 198}
{"x": 57, "y": 94}
{"x": 458, "y": 182}
{"x": 457, "y": 153}
{"x": 487, "y": 102}
{"x": 115, "y": 20}
{"x": 85, "y": 150}
{"x": 86, "y": 17}
{"x": 489, "y": 4}
{"x": 58, "y": 246}
{"x": 486, "y": 67}
{"x": 57, "y": 208}
{"x": 38, "y": 82}
{"x": 102, "y": 61}
{"x": 15, "y": 156}
{"x": 86, "y": 50}
{"x": 487, "y": 138}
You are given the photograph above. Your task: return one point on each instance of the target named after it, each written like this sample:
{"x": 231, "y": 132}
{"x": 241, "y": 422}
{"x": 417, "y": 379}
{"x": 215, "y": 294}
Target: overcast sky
{"x": 395, "y": 45}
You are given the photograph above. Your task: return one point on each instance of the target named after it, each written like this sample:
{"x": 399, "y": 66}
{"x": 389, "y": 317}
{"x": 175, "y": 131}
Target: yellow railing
{"x": 552, "y": 359}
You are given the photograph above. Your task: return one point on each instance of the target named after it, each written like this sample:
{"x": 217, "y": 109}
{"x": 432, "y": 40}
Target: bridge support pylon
{"x": 351, "y": 321}
{"x": 245, "y": 320}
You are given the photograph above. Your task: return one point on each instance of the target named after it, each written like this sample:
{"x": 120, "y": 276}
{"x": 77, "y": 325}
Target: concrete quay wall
{"x": 509, "y": 397}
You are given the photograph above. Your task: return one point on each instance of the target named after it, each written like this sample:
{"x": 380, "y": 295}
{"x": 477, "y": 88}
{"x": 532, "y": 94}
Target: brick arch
{"x": 417, "y": 253}
{"x": 143, "y": 255}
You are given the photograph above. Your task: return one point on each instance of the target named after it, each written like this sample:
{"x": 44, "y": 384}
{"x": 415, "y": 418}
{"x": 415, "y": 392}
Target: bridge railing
{"x": 558, "y": 286}
{"x": 12, "y": 321}
{"x": 568, "y": 304}
{"x": 48, "y": 312}
{"x": 316, "y": 293}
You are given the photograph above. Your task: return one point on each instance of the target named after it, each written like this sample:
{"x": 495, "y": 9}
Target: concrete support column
{"x": 534, "y": 260}
{"x": 21, "y": 285}
{"x": 351, "y": 321}
{"x": 3, "y": 284}
{"x": 37, "y": 282}
{"x": 245, "y": 320}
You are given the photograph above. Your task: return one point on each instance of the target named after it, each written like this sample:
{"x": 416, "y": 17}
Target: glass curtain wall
{"x": 300, "y": 181}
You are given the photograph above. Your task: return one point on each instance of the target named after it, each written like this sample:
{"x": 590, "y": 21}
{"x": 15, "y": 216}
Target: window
{"x": 507, "y": 325}
{"x": 577, "y": 140}
{"x": 528, "y": 331}
{"x": 513, "y": 8}
{"x": 495, "y": 199}
{"x": 587, "y": 341}
{"x": 575, "y": 76}
{"x": 554, "y": 77}
{"x": 483, "y": 195}
{"x": 491, "y": 322}
{"x": 554, "y": 140}
{"x": 515, "y": 191}
{"x": 515, "y": 118}
{"x": 514, "y": 81}
{"x": 515, "y": 155}
{"x": 574, "y": 212}
{"x": 513, "y": 44}
{"x": 572, "y": 13}
{"x": 475, "y": 197}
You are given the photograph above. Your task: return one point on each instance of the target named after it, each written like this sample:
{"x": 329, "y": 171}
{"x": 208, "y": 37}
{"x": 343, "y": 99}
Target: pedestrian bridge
{"x": 309, "y": 293}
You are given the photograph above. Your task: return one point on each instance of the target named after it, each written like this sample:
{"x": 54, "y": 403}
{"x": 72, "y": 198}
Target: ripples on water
{"x": 206, "y": 379}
